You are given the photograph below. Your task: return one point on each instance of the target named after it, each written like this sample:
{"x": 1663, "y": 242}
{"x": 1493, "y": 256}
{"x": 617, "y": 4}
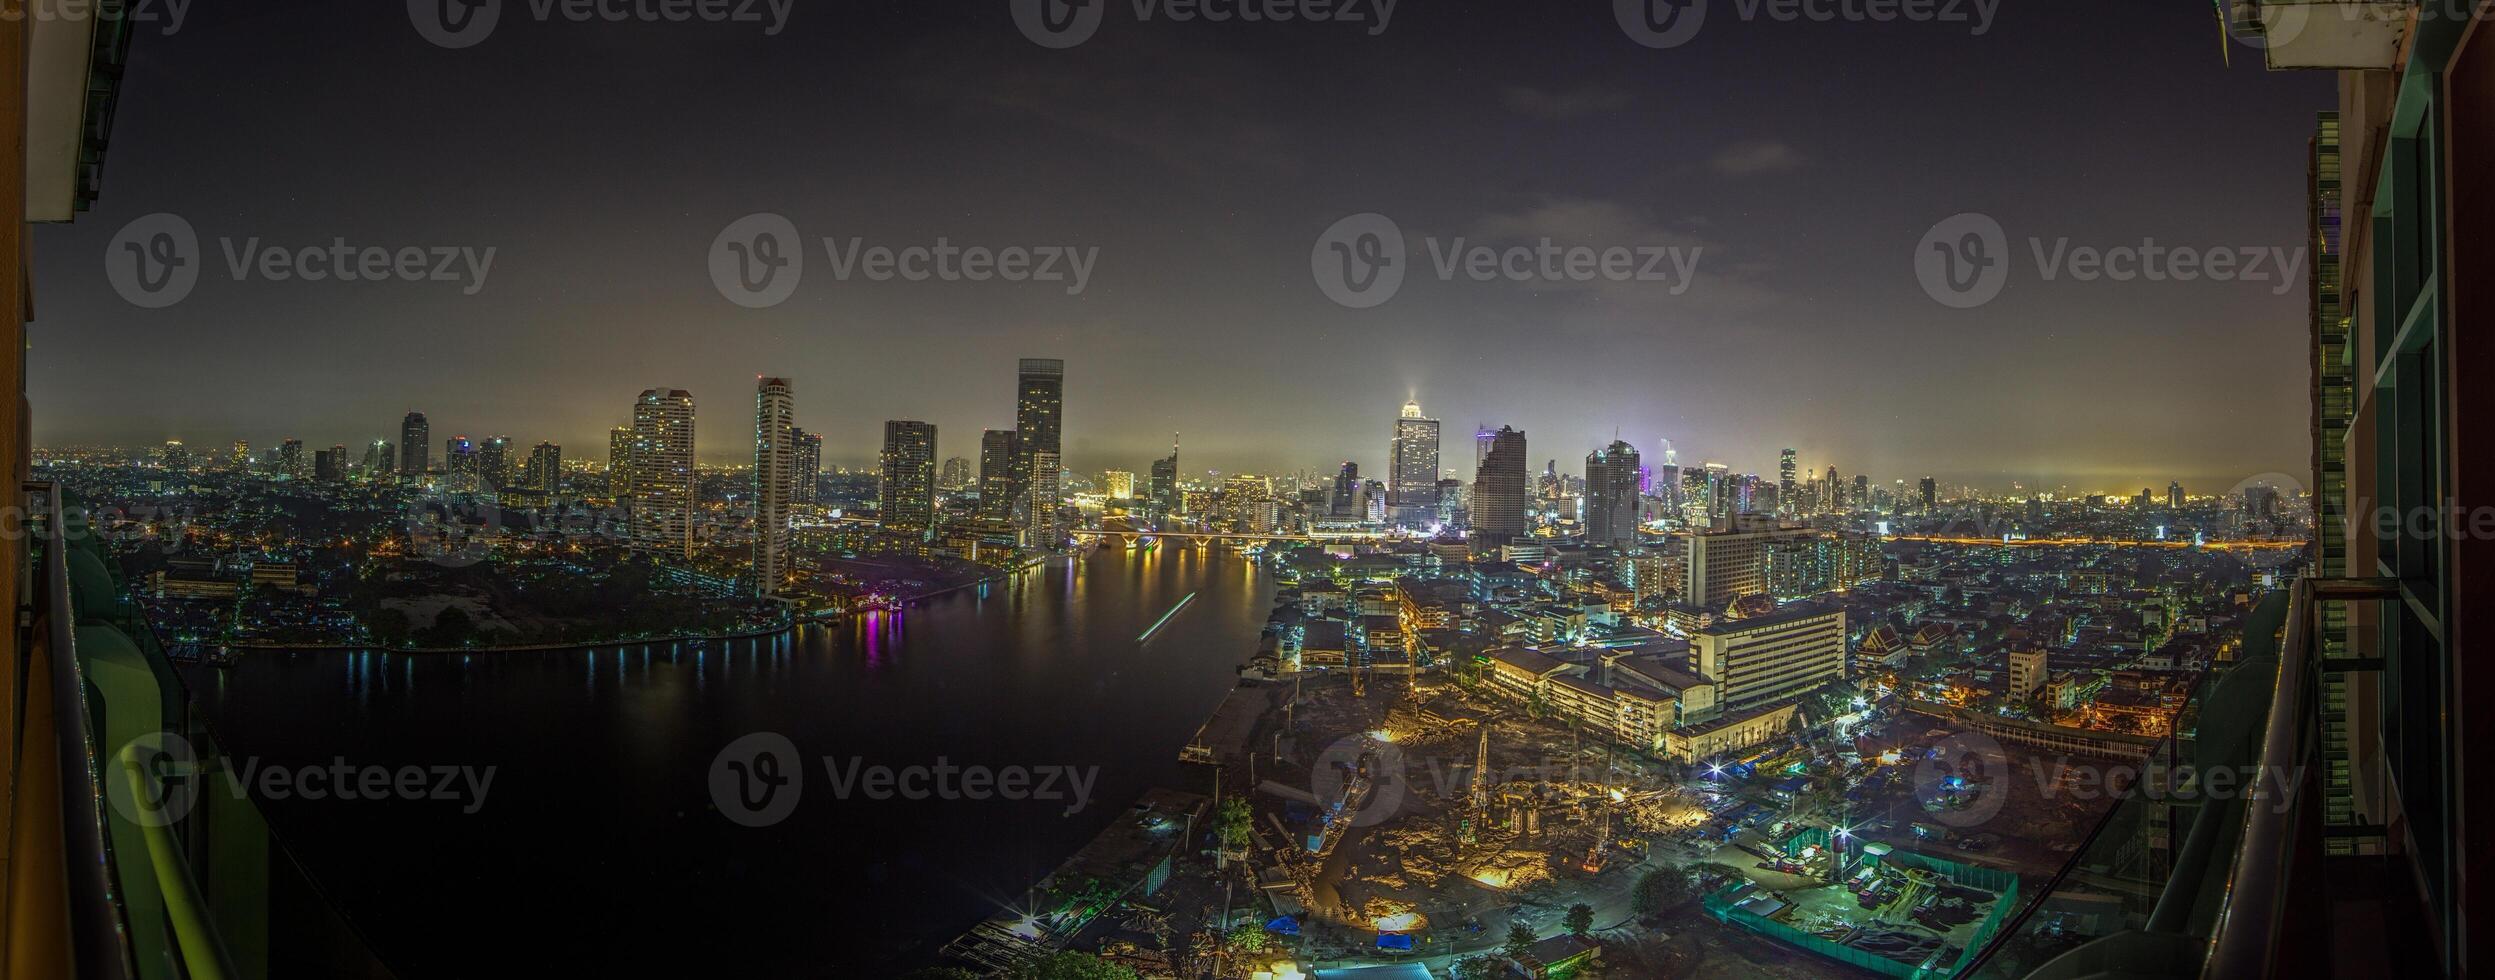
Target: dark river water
{"x": 598, "y": 847}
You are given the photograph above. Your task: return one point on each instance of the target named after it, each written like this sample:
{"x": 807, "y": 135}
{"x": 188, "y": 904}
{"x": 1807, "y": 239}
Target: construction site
{"x": 1395, "y": 818}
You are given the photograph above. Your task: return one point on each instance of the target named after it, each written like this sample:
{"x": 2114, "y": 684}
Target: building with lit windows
{"x": 907, "y": 496}
{"x": 1412, "y": 469}
{"x": 775, "y": 480}
{"x": 1611, "y": 496}
{"x": 663, "y": 484}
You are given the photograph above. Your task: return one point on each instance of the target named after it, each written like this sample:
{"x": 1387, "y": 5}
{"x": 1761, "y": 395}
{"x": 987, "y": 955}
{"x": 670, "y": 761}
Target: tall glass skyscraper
{"x": 1039, "y": 428}
{"x": 908, "y": 496}
{"x": 999, "y": 458}
{"x": 1611, "y": 495}
{"x": 775, "y": 483}
{"x": 1499, "y": 494}
{"x": 1412, "y": 468}
{"x": 415, "y": 445}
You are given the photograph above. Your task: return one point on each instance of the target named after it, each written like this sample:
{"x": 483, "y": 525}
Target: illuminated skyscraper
{"x": 1114, "y": 484}
{"x": 290, "y": 459}
{"x": 999, "y": 456}
{"x": 329, "y": 465}
{"x": 545, "y": 468}
{"x": 494, "y": 462}
{"x": 241, "y": 459}
{"x": 663, "y": 486}
{"x": 1499, "y": 490}
{"x": 459, "y": 456}
{"x": 1039, "y": 428}
{"x": 908, "y": 496}
{"x": 619, "y": 462}
{"x": 379, "y": 459}
{"x": 1788, "y": 495}
{"x": 1412, "y": 468}
{"x": 957, "y": 474}
{"x": 809, "y": 474}
{"x": 1164, "y": 486}
{"x": 775, "y": 480}
{"x": 1346, "y": 504}
{"x": 1611, "y": 495}
{"x": 1931, "y": 495}
{"x": 415, "y": 445}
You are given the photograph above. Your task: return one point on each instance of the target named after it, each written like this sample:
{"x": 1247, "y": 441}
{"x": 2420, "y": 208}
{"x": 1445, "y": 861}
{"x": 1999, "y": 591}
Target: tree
{"x": 1580, "y": 919}
{"x": 1234, "y": 822}
{"x": 1074, "y": 966}
{"x": 939, "y": 973}
{"x": 1249, "y": 939}
{"x": 1660, "y": 889}
{"x": 1476, "y": 968}
{"x": 1520, "y": 938}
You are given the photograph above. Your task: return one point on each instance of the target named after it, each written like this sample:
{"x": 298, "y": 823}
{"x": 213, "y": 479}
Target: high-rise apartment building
{"x": 619, "y": 462}
{"x": 957, "y": 474}
{"x": 545, "y": 468}
{"x": 290, "y": 459}
{"x": 494, "y": 462}
{"x": 1931, "y": 495}
{"x": 1787, "y": 495}
{"x": 908, "y": 494}
{"x": 1500, "y": 494}
{"x": 1412, "y": 468}
{"x": 1039, "y": 428}
{"x": 415, "y": 445}
{"x": 1611, "y": 495}
{"x": 663, "y": 481}
{"x": 809, "y": 472}
{"x": 459, "y": 457}
{"x": 1000, "y": 455}
{"x": 775, "y": 480}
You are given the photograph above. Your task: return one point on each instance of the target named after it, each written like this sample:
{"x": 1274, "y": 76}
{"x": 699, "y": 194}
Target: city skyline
{"x": 1805, "y": 328}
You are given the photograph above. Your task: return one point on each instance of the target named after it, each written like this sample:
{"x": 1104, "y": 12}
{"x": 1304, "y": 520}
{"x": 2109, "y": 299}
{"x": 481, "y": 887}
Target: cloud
{"x": 1750, "y": 157}
{"x": 1561, "y": 106}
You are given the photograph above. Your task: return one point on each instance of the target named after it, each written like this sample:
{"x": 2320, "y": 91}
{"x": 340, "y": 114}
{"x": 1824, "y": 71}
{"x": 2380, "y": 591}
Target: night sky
{"x": 1203, "y": 160}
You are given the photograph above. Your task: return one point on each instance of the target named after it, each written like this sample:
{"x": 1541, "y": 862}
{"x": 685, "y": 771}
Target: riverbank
{"x": 1003, "y": 575}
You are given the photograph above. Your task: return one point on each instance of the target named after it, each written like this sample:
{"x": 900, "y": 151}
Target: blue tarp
{"x": 1283, "y": 925}
{"x": 1394, "y": 941}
